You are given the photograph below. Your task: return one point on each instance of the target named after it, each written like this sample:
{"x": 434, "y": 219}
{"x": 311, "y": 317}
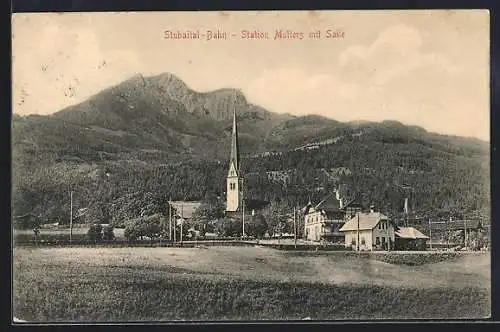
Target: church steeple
{"x": 235, "y": 153}
{"x": 233, "y": 175}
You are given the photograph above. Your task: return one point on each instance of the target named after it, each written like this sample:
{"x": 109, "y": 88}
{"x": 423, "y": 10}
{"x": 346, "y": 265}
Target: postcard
{"x": 250, "y": 165}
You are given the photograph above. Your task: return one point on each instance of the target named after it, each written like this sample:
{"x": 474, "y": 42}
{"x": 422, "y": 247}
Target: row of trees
{"x": 209, "y": 218}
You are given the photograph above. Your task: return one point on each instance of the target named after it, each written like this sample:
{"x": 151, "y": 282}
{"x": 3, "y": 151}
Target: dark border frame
{"x": 190, "y": 5}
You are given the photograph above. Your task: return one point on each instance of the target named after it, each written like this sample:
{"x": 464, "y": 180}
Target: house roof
{"x": 186, "y": 208}
{"x": 410, "y": 233}
{"x": 366, "y": 221}
{"x": 353, "y": 203}
{"x": 329, "y": 203}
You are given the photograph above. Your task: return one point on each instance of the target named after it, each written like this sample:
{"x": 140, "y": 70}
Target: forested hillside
{"x": 126, "y": 150}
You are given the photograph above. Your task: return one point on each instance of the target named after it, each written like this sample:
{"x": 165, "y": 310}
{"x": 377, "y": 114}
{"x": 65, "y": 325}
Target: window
{"x": 363, "y": 242}
{"x": 377, "y": 241}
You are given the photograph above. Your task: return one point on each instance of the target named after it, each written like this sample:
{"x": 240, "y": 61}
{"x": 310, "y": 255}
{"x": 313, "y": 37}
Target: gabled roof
{"x": 186, "y": 208}
{"x": 366, "y": 221}
{"x": 352, "y": 203}
{"x": 329, "y": 203}
{"x": 410, "y": 233}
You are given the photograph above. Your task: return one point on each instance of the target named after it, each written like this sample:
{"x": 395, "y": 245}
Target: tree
{"x": 138, "y": 228}
{"x": 95, "y": 233}
{"x": 98, "y": 213}
{"x": 229, "y": 227}
{"x": 257, "y": 226}
{"x": 277, "y": 216}
{"x": 108, "y": 233}
{"x": 206, "y": 214}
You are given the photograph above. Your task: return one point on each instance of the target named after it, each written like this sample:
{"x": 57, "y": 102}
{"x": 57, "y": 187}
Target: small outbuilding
{"x": 410, "y": 238}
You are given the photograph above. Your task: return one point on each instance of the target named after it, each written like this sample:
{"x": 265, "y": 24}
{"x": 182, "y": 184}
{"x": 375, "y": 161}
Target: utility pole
{"x": 357, "y": 242}
{"x": 465, "y": 234}
{"x": 170, "y": 219}
{"x": 294, "y": 227}
{"x": 430, "y": 234}
{"x": 182, "y": 219}
{"x": 175, "y": 229}
{"x": 71, "y": 217}
{"x": 388, "y": 236}
{"x": 243, "y": 209}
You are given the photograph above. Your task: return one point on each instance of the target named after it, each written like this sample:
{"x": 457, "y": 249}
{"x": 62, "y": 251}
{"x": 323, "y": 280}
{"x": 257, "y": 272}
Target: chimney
{"x": 372, "y": 208}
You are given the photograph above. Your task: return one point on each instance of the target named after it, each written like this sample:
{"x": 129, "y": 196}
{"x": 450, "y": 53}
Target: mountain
{"x": 162, "y": 113}
{"x": 156, "y": 135}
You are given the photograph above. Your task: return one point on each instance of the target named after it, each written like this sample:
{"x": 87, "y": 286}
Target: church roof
{"x": 235, "y": 153}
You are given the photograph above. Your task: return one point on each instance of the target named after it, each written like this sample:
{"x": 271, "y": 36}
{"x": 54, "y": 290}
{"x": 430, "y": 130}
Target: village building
{"x": 410, "y": 238}
{"x": 322, "y": 222}
{"x": 449, "y": 233}
{"x": 237, "y": 206}
{"x": 374, "y": 231}
{"x": 184, "y": 209}
{"x": 369, "y": 231}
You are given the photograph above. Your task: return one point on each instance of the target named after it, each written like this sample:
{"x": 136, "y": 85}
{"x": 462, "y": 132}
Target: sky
{"x": 425, "y": 68}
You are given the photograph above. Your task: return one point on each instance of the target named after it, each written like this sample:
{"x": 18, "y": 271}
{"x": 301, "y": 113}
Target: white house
{"x": 324, "y": 220}
{"x": 373, "y": 229}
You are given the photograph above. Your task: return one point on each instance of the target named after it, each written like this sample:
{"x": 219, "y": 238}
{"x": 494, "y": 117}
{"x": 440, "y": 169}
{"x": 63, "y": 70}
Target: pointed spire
{"x": 234, "y": 120}
{"x": 235, "y": 153}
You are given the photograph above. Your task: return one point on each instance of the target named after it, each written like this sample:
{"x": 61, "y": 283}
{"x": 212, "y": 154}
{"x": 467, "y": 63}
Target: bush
{"x": 149, "y": 226}
{"x": 411, "y": 259}
{"x": 108, "y": 233}
{"x": 95, "y": 233}
{"x": 257, "y": 226}
{"x": 229, "y": 227}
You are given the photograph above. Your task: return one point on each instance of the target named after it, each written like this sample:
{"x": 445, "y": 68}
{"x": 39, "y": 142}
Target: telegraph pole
{"x": 357, "y": 242}
{"x": 388, "y": 236}
{"x": 294, "y": 227}
{"x": 71, "y": 216}
{"x": 243, "y": 209}
{"x": 430, "y": 234}
{"x": 465, "y": 234}
{"x": 175, "y": 229}
{"x": 182, "y": 219}
{"x": 170, "y": 219}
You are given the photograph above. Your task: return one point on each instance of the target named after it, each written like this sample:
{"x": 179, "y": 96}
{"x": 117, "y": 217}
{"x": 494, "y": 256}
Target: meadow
{"x": 242, "y": 283}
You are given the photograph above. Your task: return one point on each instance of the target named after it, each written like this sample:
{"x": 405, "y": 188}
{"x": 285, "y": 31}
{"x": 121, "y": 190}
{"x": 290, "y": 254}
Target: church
{"x": 234, "y": 190}
{"x": 237, "y": 205}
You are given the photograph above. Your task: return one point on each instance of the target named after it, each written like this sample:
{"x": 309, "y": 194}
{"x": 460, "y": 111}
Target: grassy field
{"x": 232, "y": 283}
